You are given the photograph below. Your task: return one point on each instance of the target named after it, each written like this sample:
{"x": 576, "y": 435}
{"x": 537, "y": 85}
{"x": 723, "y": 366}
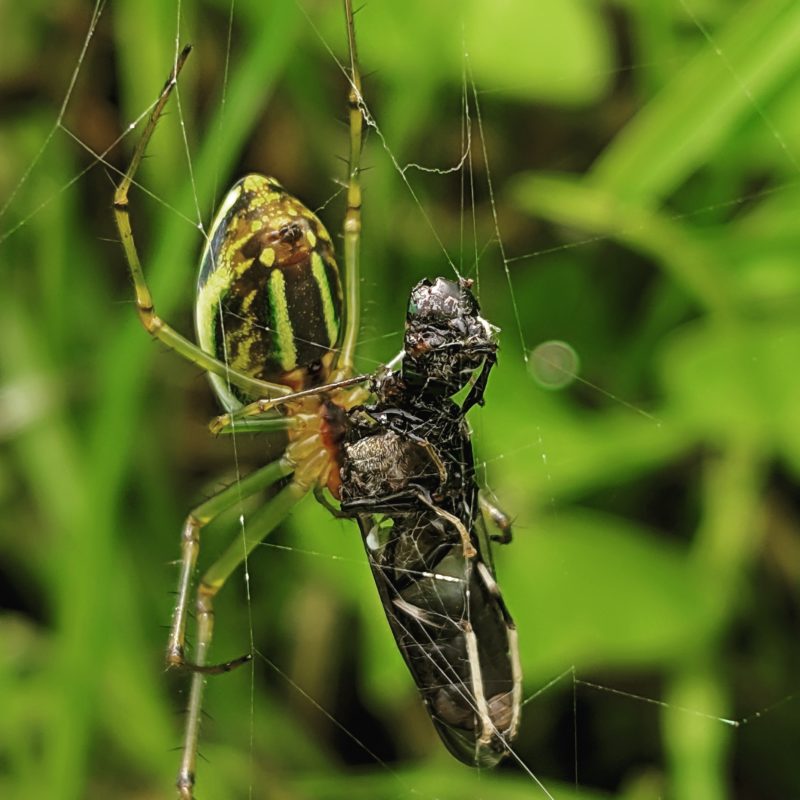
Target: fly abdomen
{"x": 454, "y": 632}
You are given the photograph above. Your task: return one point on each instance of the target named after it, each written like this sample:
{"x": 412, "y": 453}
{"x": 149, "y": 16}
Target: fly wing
{"x": 452, "y": 628}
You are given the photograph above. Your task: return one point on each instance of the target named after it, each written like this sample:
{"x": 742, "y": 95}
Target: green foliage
{"x": 649, "y": 209}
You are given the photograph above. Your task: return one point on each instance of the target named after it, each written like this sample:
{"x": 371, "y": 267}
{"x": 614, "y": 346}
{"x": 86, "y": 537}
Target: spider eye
{"x": 291, "y": 232}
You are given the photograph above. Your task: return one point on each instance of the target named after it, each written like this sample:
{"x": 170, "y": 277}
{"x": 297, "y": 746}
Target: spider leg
{"x": 319, "y": 495}
{"x": 259, "y": 525}
{"x": 268, "y": 405}
{"x": 190, "y": 545}
{"x": 352, "y": 218}
{"x": 154, "y": 325}
{"x": 266, "y": 424}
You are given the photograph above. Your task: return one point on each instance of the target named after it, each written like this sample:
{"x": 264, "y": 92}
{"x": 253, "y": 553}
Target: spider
{"x": 276, "y": 333}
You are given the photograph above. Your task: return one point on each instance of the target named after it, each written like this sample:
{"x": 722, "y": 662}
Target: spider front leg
{"x": 267, "y": 406}
{"x": 154, "y": 325}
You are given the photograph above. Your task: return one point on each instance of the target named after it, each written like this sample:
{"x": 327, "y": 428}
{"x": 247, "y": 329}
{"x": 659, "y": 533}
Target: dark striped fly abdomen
{"x": 269, "y": 296}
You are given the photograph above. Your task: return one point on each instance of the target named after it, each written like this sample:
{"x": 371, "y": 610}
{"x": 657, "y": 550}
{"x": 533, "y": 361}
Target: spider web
{"x": 587, "y": 689}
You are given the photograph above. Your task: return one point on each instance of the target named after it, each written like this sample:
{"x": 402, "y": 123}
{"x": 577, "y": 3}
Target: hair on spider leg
{"x": 111, "y": 180}
{"x": 177, "y": 63}
{"x": 342, "y": 185}
{"x": 183, "y": 711}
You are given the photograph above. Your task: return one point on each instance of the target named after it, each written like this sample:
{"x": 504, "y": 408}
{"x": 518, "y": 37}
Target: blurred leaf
{"x": 551, "y": 452}
{"x": 729, "y": 387}
{"x": 729, "y": 80}
{"x": 558, "y": 53}
{"x": 525, "y": 51}
{"x": 571, "y": 584}
{"x": 455, "y": 783}
{"x": 568, "y": 201}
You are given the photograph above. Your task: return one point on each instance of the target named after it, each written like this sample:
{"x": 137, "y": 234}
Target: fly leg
{"x": 407, "y": 499}
{"x": 499, "y": 520}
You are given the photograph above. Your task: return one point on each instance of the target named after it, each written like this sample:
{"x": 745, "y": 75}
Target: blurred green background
{"x": 644, "y": 161}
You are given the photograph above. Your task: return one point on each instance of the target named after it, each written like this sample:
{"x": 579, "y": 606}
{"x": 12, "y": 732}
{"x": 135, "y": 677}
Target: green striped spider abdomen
{"x": 269, "y": 295}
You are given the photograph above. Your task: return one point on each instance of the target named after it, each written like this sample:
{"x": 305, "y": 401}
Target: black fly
{"x": 407, "y": 477}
